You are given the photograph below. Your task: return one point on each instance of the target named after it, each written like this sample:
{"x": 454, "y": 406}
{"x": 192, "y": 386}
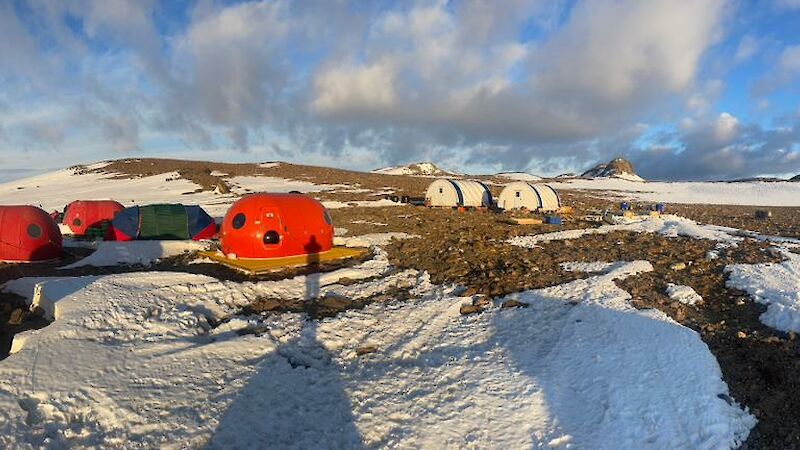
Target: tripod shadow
{"x": 296, "y": 398}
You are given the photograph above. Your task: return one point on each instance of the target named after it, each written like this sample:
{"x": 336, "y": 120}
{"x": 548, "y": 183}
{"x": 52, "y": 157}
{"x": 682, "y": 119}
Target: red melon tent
{"x": 276, "y": 225}
{"x": 82, "y": 215}
{"x": 28, "y": 234}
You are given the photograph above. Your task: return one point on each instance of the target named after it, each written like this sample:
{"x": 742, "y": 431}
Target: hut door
{"x": 271, "y": 224}
{"x": 518, "y": 200}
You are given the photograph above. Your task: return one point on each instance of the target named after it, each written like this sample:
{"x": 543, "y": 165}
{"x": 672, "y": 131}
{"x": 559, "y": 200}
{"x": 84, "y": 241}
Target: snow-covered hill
{"x": 54, "y": 190}
{"x": 518, "y": 176}
{"x": 425, "y": 169}
{"x": 616, "y": 168}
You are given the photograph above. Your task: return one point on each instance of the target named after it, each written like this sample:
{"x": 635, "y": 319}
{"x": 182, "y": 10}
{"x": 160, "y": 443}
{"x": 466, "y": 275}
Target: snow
{"x": 335, "y": 204}
{"x": 776, "y": 285}
{"x": 366, "y": 222}
{"x": 589, "y": 267}
{"x": 683, "y": 294}
{"x": 113, "y": 253}
{"x": 369, "y": 240}
{"x": 245, "y": 184}
{"x": 416, "y": 169}
{"x": 52, "y": 191}
{"x": 720, "y": 193}
{"x": 218, "y": 173}
{"x": 628, "y": 176}
{"x": 131, "y": 360}
{"x": 519, "y": 176}
{"x": 666, "y": 225}
{"x": 47, "y": 292}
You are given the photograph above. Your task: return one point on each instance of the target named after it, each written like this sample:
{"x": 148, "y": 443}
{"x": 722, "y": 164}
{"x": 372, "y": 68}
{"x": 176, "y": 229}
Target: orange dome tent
{"x": 82, "y": 215}
{"x": 276, "y": 225}
{"x": 28, "y": 234}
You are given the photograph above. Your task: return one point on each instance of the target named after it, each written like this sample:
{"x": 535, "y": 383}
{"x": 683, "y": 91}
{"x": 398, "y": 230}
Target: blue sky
{"x": 686, "y": 89}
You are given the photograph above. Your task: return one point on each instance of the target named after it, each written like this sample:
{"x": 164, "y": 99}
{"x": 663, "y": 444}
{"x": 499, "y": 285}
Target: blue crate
{"x": 553, "y": 220}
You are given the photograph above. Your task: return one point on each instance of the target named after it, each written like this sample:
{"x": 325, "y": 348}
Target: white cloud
{"x": 355, "y": 89}
{"x": 788, "y": 4}
{"x": 626, "y": 51}
{"x": 476, "y": 82}
{"x": 790, "y": 60}
{"x": 748, "y": 46}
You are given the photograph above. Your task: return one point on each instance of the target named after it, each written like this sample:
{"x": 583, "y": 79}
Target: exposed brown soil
{"x": 327, "y": 305}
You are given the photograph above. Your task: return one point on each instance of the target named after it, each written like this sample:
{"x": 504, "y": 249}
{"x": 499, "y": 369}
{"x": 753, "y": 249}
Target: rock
{"x": 270, "y": 304}
{"x": 678, "y": 266}
{"x": 470, "y": 309}
{"x": 366, "y": 349}
{"x": 17, "y": 316}
{"x": 514, "y": 304}
{"x": 775, "y": 252}
{"x": 741, "y": 334}
{"x": 334, "y": 301}
{"x": 222, "y": 188}
{"x": 471, "y": 291}
{"x": 482, "y": 301}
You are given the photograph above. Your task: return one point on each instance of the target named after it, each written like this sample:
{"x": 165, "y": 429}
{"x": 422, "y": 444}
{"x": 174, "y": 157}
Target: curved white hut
{"x": 446, "y": 192}
{"x": 535, "y": 197}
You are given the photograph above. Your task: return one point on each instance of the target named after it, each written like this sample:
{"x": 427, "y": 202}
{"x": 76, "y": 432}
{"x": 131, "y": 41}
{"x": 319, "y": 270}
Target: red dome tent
{"x": 28, "y": 234}
{"x": 84, "y": 215}
{"x": 276, "y": 225}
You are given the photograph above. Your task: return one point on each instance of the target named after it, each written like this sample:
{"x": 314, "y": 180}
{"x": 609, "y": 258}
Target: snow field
{"x": 741, "y": 193}
{"x": 133, "y": 359}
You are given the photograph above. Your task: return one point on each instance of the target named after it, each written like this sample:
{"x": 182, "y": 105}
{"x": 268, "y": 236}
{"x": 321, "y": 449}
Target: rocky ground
{"x": 469, "y": 248}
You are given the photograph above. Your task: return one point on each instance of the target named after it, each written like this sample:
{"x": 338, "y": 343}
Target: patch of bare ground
{"x": 327, "y": 305}
{"x": 15, "y": 318}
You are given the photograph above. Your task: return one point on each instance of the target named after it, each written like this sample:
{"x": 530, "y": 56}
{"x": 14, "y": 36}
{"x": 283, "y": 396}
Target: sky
{"x": 685, "y": 89}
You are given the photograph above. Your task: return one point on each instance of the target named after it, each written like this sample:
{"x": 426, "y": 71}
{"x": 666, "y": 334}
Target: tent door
{"x": 271, "y": 221}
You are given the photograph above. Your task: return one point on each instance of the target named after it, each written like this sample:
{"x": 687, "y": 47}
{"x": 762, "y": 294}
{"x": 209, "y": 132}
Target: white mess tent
{"x": 447, "y": 192}
{"x": 522, "y": 194}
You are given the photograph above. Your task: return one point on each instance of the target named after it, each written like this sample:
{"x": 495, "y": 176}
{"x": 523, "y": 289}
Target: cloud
{"x": 722, "y": 148}
{"x": 452, "y": 70}
{"x": 474, "y": 84}
{"x": 748, "y": 46}
{"x": 788, "y": 4}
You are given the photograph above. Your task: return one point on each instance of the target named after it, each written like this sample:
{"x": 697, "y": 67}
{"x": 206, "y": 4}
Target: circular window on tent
{"x": 34, "y": 231}
{"x": 238, "y": 221}
{"x": 272, "y": 237}
{"x": 76, "y": 222}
